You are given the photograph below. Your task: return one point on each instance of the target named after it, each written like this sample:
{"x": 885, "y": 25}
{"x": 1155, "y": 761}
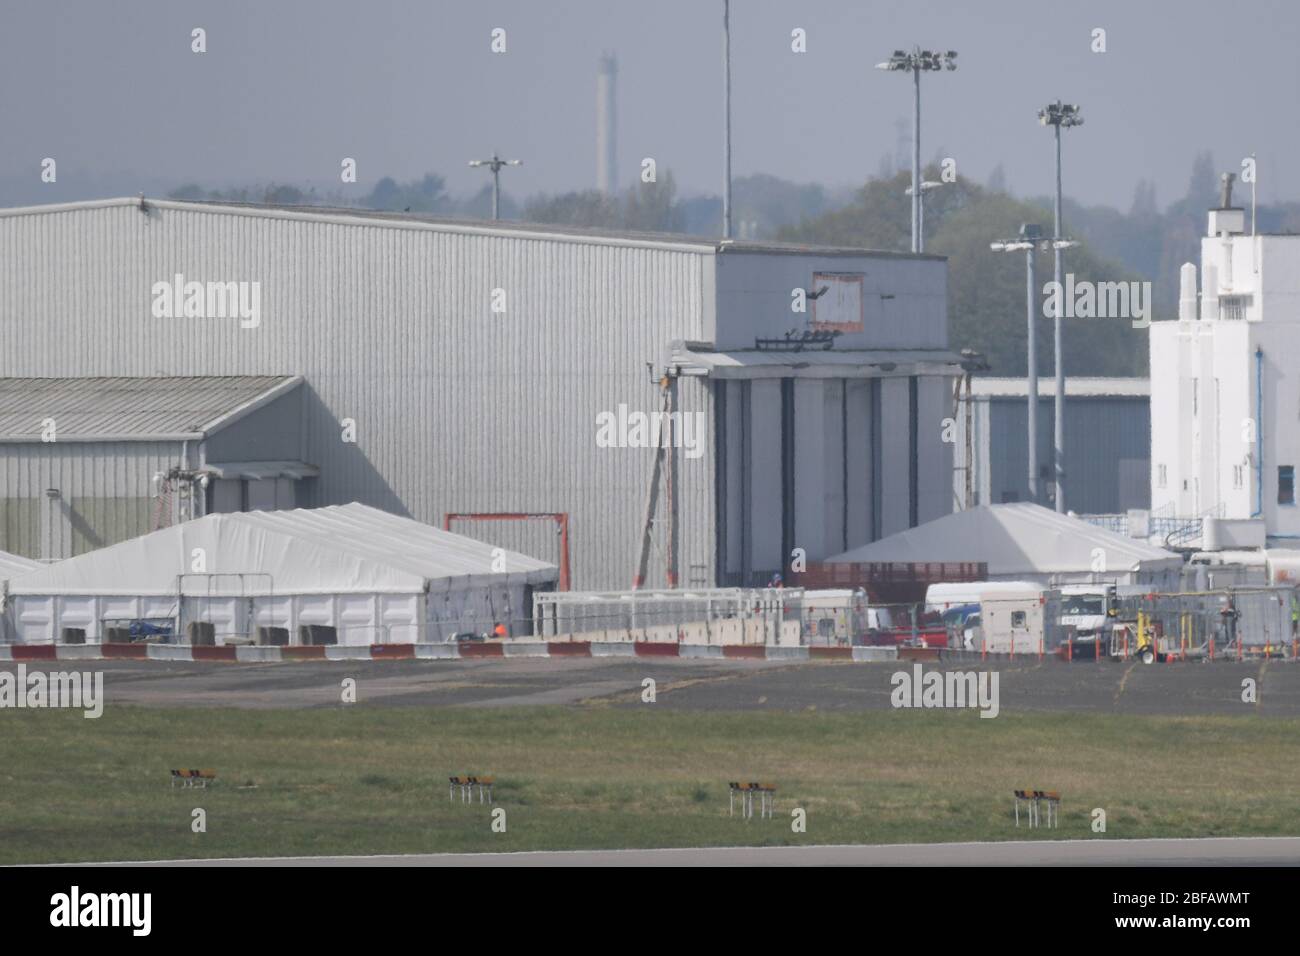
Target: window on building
{"x": 1232, "y": 308}
{"x": 1238, "y": 475}
{"x": 1017, "y": 618}
{"x": 1286, "y": 484}
{"x": 1196, "y": 391}
{"x": 1162, "y": 476}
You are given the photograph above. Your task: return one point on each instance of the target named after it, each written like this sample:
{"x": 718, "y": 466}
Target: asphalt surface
{"x": 692, "y": 685}
{"x": 1214, "y": 851}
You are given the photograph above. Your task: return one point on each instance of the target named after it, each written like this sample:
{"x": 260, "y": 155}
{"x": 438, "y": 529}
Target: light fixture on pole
{"x": 1058, "y": 115}
{"x": 916, "y": 61}
{"x": 1031, "y": 235}
{"x": 495, "y": 164}
{"x": 925, "y": 188}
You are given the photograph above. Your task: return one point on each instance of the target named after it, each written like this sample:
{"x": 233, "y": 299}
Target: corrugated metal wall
{"x": 1107, "y": 439}
{"x": 456, "y": 408}
{"x": 103, "y": 494}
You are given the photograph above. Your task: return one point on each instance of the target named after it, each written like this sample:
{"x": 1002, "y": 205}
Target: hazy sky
{"x": 288, "y": 88}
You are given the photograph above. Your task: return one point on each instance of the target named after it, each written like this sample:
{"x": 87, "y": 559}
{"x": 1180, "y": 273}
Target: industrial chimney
{"x": 606, "y": 128}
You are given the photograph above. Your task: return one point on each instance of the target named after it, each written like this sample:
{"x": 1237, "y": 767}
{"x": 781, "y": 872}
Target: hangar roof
{"x": 508, "y": 228}
{"x": 811, "y": 362}
{"x": 1014, "y": 538}
{"x": 343, "y": 549}
{"x": 132, "y": 409}
{"x": 1075, "y": 386}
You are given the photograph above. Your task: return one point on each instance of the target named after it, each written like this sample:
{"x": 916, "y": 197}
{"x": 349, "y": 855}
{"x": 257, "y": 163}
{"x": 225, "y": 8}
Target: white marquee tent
{"x": 372, "y": 576}
{"x": 11, "y": 566}
{"x": 1026, "y": 542}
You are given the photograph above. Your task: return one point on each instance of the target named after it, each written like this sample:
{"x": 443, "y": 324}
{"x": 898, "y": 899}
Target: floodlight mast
{"x": 925, "y": 188}
{"x": 495, "y": 164}
{"x": 1028, "y": 240}
{"x": 1058, "y": 115}
{"x": 916, "y": 61}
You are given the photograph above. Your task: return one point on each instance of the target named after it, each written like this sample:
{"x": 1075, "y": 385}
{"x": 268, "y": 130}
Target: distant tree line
{"x": 986, "y": 289}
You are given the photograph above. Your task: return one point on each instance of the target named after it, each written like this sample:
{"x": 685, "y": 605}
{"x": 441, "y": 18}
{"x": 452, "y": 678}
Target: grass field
{"x": 362, "y": 780}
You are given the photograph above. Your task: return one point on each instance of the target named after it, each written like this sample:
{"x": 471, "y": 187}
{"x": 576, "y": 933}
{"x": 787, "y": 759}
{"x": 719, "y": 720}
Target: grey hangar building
{"x": 162, "y": 360}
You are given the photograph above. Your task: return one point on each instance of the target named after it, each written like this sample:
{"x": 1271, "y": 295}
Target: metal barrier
{"x": 714, "y": 615}
{"x": 1233, "y": 623}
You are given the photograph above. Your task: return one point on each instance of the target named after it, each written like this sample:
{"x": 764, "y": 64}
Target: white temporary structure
{"x": 11, "y": 566}
{"x": 1027, "y": 542}
{"x": 371, "y": 576}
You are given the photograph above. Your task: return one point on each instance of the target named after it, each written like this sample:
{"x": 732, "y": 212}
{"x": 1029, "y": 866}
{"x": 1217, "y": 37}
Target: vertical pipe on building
{"x": 788, "y": 527}
{"x": 1058, "y": 405}
{"x": 1031, "y": 365}
{"x": 875, "y": 421}
{"x": 726, "y": 119}
{"x": 671, "y": 474}
{"x": 913, "y": 452}
{"x": 1259, "y": 432}
{"x": 844, "y": 461}
{"x": 746, "y": 485}
{"x": 720, "y": 490}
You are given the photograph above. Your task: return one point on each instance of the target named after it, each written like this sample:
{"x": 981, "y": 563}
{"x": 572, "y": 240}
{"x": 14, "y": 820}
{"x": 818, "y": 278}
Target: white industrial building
{"x": 431, "y": 367}
{"x": 1225, "y": 388}
{"x": 346, "y": 574}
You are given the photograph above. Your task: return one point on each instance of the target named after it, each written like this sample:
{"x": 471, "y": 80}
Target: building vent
{"x": 273, "y": 636}
{"x": 73, "y": 635}
{"x": 317, "y": 634}
{"x": 201, "y": 633}
{"x": 1232, "y": 308}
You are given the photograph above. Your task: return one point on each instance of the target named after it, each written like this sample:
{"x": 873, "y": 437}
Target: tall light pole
{"x": 1027, "y": 242}
{"x": 726, "y": 119}
{"x": 495, "y": 164}
{"x": 925, "y": 188}
{"x": 916, "y": 61}
{"x": 1058, "y": 115}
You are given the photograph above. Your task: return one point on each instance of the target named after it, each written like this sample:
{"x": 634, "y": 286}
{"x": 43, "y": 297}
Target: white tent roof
{"x": 12, "y": 565}
{"x": 1015, "y": 538}
{"x": 341, "y": 549}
